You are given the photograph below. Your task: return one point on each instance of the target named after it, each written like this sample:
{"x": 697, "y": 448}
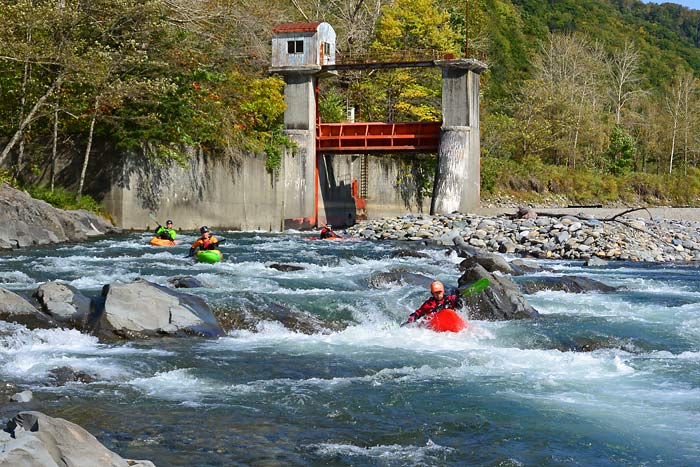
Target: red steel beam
{"x": 364, "y": 138}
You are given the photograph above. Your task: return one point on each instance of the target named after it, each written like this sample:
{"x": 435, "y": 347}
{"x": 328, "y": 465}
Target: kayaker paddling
{"x": 438, "y": 312}
{"x": 437, "y": 302}
{"x": 205, "y": 242}
{"x": 327, "y": 232}
{"x": 167, "y": 232}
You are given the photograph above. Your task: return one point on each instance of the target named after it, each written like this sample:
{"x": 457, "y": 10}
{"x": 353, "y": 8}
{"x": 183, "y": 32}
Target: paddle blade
{"x": 476, "y": 287}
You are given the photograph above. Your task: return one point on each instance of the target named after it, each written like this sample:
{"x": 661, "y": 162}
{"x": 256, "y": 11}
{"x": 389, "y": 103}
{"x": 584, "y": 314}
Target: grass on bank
{"x": 59, "y": 198}
{"x": 531, "y": 181}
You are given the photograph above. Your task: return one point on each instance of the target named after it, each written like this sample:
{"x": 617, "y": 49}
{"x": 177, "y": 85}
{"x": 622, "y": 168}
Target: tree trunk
{"x": 87, "y": 150}
{"x": 28, "y": 119}
{"x": 55, "y": 144}
{"x": 22, "y": 105}
{"x": 673, "y": 144}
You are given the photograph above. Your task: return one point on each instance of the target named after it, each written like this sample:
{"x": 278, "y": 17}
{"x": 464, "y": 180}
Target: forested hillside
{"x": 593, "y": 99}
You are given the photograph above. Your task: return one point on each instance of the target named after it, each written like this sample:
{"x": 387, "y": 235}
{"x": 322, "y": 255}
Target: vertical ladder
{"x": 364, "y": 175}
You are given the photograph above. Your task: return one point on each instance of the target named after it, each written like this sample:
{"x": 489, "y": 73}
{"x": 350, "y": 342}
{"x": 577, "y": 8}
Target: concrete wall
{"x": 244, "y": 196}
{"x": 209, "y": 191}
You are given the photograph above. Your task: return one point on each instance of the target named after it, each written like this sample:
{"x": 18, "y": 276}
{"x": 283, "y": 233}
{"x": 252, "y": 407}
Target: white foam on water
{"x": 30, "y": 355}
{"x": 609, "y": 306}
{"x": 179, "y": 385}
{"x": 14, "y": 278}
{"x": 596, "y": 385}
{"x": 102, "y": 277}
{"x": 406, "y": 455}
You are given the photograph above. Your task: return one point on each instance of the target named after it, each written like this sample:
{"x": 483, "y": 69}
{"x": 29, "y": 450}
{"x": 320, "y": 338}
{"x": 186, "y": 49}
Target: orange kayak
{"x": 445, "y": 321}
{"x": 157, "y": 241}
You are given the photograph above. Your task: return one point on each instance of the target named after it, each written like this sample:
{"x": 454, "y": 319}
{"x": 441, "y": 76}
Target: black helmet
{"x": 203, "y": 229}
{"x": 168, "y": 222}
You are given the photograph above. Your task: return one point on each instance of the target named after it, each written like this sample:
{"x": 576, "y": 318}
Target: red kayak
{"x": 445, "y": 321}
{"x": 335, "y": 238}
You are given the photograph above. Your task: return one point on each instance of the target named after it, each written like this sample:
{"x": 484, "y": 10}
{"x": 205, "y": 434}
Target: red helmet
{"x": 437, "y": 287}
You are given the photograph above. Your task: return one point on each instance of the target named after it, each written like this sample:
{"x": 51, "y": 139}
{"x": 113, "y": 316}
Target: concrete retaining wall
{"x": 242, "y": 195}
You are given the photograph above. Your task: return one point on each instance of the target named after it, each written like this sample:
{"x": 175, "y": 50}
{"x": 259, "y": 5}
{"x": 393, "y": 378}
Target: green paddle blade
{"x": 476, "y": 287}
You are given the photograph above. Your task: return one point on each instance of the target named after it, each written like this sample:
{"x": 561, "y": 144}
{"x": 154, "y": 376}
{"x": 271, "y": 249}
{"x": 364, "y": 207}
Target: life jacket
{"x": 432, "y": 305}
{"x": 205, "y": 243}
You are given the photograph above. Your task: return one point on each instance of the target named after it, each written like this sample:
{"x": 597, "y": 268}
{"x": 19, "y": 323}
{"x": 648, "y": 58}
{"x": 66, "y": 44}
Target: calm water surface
{"x": 499, "y": 394}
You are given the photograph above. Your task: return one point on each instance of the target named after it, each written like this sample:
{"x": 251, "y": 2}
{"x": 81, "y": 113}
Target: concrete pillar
{"x": 299, "y": 164}
{"x": 457, "y": 178}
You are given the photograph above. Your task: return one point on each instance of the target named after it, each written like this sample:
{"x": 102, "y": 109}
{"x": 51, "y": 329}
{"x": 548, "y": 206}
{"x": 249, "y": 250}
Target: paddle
{"x": 476, "y": 287}
{"x": 154, "y": 219}
{"x": 335, "y": 235}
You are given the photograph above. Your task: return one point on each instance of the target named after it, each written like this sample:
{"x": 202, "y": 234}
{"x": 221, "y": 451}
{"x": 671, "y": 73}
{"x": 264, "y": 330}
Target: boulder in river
{"x": 500, "y": 301}
{"x": 37, "y": 440}
{"x": 144, "y": 309}
{"x": 492, "y": 262}
{"x": 64, "y": 303}
{"x": 16, "y": 309}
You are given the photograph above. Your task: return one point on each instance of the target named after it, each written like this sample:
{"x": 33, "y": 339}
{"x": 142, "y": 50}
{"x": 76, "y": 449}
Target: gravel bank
{"x": 580, "y": 237}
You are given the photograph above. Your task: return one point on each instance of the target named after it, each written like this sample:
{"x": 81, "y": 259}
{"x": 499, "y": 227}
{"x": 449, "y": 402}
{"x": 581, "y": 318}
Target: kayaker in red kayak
{"x": 205, "y": 242}
{"x": 327, "y": 232}
{"x": 436, "y": 303}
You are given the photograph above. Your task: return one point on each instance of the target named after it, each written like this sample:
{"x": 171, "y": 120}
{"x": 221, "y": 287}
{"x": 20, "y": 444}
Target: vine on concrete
{"x": 274, "y": 147}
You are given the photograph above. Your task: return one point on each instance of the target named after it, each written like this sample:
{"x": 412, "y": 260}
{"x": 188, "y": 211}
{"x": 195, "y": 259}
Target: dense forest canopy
{"x": 604, "y": 86}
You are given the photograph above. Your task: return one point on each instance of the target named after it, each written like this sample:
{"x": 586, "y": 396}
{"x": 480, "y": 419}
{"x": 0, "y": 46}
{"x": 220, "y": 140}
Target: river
{"x": 375, "y": 394}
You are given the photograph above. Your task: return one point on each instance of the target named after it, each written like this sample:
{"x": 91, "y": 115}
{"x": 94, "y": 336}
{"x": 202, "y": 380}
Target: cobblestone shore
{"x": 628, "y": 237}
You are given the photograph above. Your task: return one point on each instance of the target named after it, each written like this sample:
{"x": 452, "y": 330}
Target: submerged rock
{"x": 186, "y": 282}
{"x": 398, "y": 277}
{"x": 63, "y": 375}
{"x": 22, "y": 397}
{"x": 286, "y": 267}
{"x": 249, "y": 318}
{"x": 570, "y": 284}
{"x": 409, "y": 254}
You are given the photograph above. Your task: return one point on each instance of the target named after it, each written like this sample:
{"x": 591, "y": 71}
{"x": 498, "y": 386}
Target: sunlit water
{"x": 375, "y": 394}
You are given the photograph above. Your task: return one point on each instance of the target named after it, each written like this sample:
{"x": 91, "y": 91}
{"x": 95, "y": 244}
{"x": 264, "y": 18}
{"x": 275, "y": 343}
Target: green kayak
{"x": 209, "y": 256}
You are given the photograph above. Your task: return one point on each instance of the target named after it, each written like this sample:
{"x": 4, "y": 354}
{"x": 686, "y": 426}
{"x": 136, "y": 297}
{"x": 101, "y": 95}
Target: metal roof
{"x": 296, "y": 27}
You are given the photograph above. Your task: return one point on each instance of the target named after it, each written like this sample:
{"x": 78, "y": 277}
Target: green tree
{"x": 622, "y": 151}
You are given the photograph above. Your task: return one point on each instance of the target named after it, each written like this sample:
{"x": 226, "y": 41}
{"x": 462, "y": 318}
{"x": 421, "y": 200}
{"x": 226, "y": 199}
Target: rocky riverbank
{"x": 25, "y": 221}
{"x": 628, "y": 237}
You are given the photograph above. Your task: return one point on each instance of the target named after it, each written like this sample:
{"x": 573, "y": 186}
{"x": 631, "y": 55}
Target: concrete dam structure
{"x": 337, "y": 174}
